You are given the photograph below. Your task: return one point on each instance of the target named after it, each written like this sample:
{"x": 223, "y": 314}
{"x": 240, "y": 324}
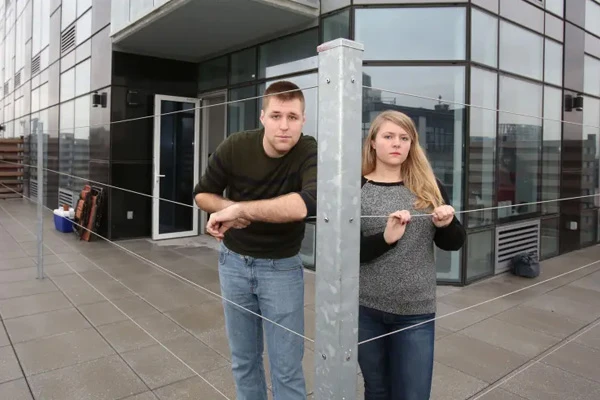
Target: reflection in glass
{"x": 521, "y": 51}
{"x": 242, "y": 115}
{"x": 431, "y": 33}
{"x": 67, "y": 145}
{"x": 519, "y": 155}
{"x": 556, "y": 6}
{"x": 289, "y": 55}
{"x": 212, "y": 74}
{"x": 484, "y": 38}
{"x": 592, "y": 16}
{"x": 243, "y": 66}
{"x": 553, "y": 60}
{"x": 81, "y": 140}
{"x": 480, "y": 254}
{"x": 590, "y": 152}
{"x": 591, "y": 75}
{"x": 482, "y": 146}
{"x": 336, "y": 26}
{"x": 551, "y": 149}
{"x": 549, "y": 238}
{"x": 177, "y": 165}
{"x": 440, "y": 124}
{"x": 588, "y": 227}
{"x": 83, "y": 77}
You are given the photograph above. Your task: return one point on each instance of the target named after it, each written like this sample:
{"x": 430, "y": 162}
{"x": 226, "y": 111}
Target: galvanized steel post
{"x": 338, "y": 219}
{"x": 40, "y": 199}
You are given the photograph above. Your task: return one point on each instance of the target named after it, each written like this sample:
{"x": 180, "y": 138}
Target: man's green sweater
{"x": 241, "y": 166}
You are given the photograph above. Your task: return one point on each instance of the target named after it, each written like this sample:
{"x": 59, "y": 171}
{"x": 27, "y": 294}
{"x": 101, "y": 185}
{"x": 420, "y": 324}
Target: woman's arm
{"x": 453, "y": 236}
{"x": 373, "y": 246}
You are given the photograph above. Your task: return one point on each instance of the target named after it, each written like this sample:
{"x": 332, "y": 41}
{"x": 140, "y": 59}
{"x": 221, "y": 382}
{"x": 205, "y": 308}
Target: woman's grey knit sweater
{"x": 401, "y": 278}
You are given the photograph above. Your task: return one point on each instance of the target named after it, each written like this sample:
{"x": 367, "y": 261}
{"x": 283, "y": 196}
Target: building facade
{"x": 486, "y": 81}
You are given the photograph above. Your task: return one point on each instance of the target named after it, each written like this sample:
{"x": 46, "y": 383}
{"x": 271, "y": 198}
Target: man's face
{"x": 283, "y": 122}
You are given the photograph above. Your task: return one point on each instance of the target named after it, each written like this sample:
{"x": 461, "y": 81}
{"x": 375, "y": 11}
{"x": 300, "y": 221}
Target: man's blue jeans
{"x": 275, "y": 290}
{"x": 397, "y": 366}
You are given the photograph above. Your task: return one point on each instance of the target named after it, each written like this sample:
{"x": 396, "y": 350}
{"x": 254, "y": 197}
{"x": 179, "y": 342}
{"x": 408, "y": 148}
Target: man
{"x": 271, "y": 179}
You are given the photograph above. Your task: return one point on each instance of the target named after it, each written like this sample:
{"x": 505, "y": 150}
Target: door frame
{"x": 158, "y": 98}
{"x": 205, "y": 135}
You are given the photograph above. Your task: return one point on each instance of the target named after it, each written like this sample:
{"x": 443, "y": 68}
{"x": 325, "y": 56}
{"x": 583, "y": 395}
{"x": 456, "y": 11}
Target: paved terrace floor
{"x": 61, "y": 339}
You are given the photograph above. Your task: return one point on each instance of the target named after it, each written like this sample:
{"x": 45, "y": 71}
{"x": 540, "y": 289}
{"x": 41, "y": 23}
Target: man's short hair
{"x": 292, "y": 91}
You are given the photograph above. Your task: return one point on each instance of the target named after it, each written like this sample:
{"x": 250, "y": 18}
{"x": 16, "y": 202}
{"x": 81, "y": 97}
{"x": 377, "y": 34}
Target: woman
{"x": 398, "y": 273}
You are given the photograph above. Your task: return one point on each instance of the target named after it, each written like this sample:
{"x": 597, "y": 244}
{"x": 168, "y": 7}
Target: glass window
{"x": 553, "y": 60}
{"x": 431, "y": 33}
{"x": 588, "y": 227}
{"x": 591, "y": 75}
{"x": 243, "y": 66}
{"x": 549, "y": 238}
{"x": 81, "y": 139}
{"x": 67, "y": 85}
{"x": 480, "y": 254}
{"x": 336, "y": 26}
{"x": 289, "y": 55}
{"x": 66, "y": 142}
{"x": 484, "y": 38}
{"x": 592, "y": 16}
{"x": 242, "y": 115}
{"x": 83, "y": 77}
{"x": 69, "y": 13}
{"x": 521, "y": 51}
{"x": 482, "y": 146}
{"x": 590, "y": 151}
{"x": 556, "y": 7}
{"x": 213, "y": 73}
{"x": 519, "y": 154}
{"x": 551, "y": 149}
{"x": 440, "y": 124}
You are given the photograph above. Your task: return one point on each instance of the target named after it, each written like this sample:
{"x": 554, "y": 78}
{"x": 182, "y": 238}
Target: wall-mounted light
{"x": 574, "y": 102}
{"x": 99, "y": 99}
{"x": 2, "y": 127}
{"x": 133, "y": 98}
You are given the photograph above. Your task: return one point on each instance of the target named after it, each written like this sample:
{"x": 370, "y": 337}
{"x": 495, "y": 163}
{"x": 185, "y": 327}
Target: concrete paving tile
{"x": 35, "y": 304}
{"x": 102, "y": 313}
{"x": 60, "y": 351}
{"x": 3, "y": 337}
{"x": 161, "y": 327}
{"x": 441, "y": 333}
{"x": 24, "y": 262}
{"x": 591, "y": 338}
{"x": 544, "y": 382}
{"x": 175, "y": 295}
{"x": 196, "y": 354}
{"x": 222, "y": 379}
{"x": 511, "y": 337}
{"x": 19, "y": 274}
{"x": 45, "y": 324}
{"x": 107, "y": 378}
{"x": 543, "y": 321}
{"x": 500, "y": 394}
{"x": 156, "y": 366}
{"x": 189, "y": 389}
{"x": 134, "y": 307}
{"x": 48, "y": 260}
{"x": 560, "y": 305}
{"x": 15, "y": 390}
{"x": 10, "y": 254}
{"x": 476, "y": 358}
{"x": 9, "y": 367}
{"x": 451, "y": 384}
{"x": 81, "y": 293}
{"x": 26, "y": 288}
{"x": 578, "y": 294}
{"x": 458, "y": 321}
{"x": 143, "y": 396}
{"x": 125, "y": 336}
{"x": 590, "y": 282}
{"x": 577, "y": 359}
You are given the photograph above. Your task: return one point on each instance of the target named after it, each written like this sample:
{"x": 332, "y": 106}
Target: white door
{"x": 176, "y": 165}
{"x": 214, "y": 131}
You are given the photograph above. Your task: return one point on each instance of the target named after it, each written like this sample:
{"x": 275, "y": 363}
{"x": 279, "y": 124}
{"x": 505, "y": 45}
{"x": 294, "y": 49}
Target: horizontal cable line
{"x": 537, "y": 360}
{"x": 480, "y": 107}
{"x": 175, "y": 112}
{"x": 194, "y": 206}
{"x": 482, "y": 303}
{"x": 170, "y": 272}
{"x": 114, "y": 305}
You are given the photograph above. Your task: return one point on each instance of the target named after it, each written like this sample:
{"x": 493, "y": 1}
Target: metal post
{"x": 338, "y": 219}
{"x": 40, "y": 199}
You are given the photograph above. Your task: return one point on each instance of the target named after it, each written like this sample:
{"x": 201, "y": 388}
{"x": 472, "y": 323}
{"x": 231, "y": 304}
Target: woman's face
{"x": 391, "y": 144}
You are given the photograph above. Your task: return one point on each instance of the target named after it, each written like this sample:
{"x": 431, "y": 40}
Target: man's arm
{"x": 211, "y": 202}
{"x": 208, "y": 192}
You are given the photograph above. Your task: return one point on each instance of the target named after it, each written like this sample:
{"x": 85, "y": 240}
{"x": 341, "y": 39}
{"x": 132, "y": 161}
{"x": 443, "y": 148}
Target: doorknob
{"x": 160, "y": 176}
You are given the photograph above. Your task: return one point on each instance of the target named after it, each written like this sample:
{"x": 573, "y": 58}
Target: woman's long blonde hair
{"x": 416, "y": 170}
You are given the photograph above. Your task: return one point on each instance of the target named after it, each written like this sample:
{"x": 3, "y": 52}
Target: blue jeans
{"x": 275, "y": 290}
{"x": 398, "y": 366}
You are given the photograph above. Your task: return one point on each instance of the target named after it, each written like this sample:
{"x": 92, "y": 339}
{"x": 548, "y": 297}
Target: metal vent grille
{"x": 517, "y": 238}
{"x": 33, "y": 188}
{"x": 18, "y": 79}
{"x": 35, "y": 65}
{"x": 65, "y": 196}
{"x": 67, "y": 40}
